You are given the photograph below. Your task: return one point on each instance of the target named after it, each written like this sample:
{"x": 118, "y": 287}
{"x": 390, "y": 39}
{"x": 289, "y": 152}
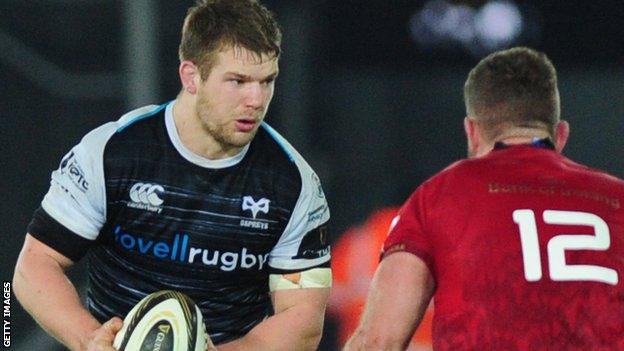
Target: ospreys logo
{"x": 146, "y": 196}
{"x": 261, "y": 205}
{"x": 249, "y": 204}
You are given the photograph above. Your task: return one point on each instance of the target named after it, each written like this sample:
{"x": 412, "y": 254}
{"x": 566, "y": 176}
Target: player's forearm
{"x": 365, "y": 339}
{"x": 45, "y": 292}
{"x": 398, "y": 297}
{"x": 297, "y": 328}
{"x": 379, "y": 328}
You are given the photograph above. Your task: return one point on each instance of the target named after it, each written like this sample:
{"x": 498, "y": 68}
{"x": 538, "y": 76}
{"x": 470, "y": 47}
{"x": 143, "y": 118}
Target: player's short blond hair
{"x": 513, "y": 88}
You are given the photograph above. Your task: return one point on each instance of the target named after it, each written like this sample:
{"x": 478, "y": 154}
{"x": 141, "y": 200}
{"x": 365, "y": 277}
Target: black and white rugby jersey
{"x": 151, "y": 215}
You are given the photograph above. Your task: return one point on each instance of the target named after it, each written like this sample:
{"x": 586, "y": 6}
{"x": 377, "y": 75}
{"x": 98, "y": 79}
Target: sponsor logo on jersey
{"x": 146, "y": 196}
{"x": 319, "y": 189}
{"x": 315, "y": 244}
{"x": 178, "y": 249}
{"x": 249, "y": 204}
{"x": 71, "y": 168}
{"x": 317, "y": 214}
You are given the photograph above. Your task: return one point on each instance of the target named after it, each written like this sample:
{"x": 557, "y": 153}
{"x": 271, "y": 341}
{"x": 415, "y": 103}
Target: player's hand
{"x": 209, "y": 345}
{"x": 354, "y": 343}
{"x": 103, "y": 337}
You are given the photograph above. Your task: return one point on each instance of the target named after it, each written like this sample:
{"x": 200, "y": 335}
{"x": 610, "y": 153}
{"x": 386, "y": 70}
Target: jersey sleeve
{"x": 408, "y": 231}
{"x": 305, "y": 241}
{"x": 74, "y": 209}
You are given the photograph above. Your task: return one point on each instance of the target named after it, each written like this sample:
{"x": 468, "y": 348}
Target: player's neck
{"x": 515, "y": 137}
{"x": 516, "y": 140}
{"x": 521, "y": 136}
{"x": 193, "y": 134}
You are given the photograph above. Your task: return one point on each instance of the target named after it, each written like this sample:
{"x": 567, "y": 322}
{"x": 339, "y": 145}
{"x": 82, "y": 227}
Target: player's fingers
{"x": 106, "y": 333}
{"x": 102, "y": 347}
{"x": 209, "y": 345}
{"x": 101, "y": 344}
{"x": 113, "y": 325}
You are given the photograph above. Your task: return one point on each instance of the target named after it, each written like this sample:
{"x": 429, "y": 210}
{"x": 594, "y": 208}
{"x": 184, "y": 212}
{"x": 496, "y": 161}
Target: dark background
{"x": 371, "y": 109}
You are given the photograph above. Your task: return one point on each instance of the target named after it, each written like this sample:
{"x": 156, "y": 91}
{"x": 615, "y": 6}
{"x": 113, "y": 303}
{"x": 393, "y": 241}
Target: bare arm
{"x": 43, "y": 289}
{"x": 397, "y": 300}
{"x": 296, "y": 325}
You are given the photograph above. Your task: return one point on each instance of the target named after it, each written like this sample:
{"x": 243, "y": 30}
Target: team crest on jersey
{"x": 146, "y": 196}
{"x": 261, "y": 205}
{"x": 249, "y": 204}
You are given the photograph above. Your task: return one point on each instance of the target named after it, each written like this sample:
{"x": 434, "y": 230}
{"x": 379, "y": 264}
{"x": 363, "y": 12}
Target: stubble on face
{"x": 220, "y": 130}
{"x": 219, "y": 106}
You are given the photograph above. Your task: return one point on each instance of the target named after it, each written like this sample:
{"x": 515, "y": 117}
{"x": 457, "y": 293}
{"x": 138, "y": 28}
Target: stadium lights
{"x": 480, "y": 30}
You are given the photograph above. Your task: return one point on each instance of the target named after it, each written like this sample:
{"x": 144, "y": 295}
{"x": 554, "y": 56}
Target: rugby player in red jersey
{"x": 521, "y": 248}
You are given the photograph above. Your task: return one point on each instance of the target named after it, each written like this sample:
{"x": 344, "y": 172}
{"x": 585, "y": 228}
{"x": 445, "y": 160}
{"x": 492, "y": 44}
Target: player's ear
{"x": 189, "y": 76}
{"x": 562, "y": 133}
{"x": 472, "y": 135}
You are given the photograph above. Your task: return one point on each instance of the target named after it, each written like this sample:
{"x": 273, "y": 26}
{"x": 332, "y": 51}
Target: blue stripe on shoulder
{"x": 141, "y": 117}
{"x": 278, "y": 140}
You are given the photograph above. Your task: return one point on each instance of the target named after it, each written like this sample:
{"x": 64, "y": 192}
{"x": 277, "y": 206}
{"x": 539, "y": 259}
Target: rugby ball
{"x": 163, "y": 321}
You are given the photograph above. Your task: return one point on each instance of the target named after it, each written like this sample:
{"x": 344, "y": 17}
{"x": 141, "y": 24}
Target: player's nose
{"x": 255, "y": 96}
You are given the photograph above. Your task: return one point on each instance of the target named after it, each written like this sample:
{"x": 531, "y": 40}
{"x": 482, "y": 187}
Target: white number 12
{"x": 559, "y": 270}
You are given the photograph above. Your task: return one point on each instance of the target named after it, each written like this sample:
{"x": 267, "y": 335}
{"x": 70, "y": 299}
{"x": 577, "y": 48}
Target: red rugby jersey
{"x": 527, "y": 251}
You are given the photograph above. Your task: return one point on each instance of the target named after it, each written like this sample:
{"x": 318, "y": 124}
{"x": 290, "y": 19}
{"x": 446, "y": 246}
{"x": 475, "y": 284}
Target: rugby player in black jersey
{"x": 198, "y": 195}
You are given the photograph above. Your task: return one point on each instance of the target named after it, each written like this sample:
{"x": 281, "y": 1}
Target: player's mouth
{"x": 245, "y": 125}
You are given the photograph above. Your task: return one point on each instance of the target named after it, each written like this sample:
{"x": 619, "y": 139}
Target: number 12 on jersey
{"x": 557, "y": 246}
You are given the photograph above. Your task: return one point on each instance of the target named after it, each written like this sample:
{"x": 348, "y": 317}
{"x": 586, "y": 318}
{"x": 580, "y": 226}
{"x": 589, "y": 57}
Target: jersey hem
{"x": 299, "y": 265}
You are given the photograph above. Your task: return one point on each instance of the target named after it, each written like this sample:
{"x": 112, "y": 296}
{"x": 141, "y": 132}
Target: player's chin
{"x": 240, "y": 139}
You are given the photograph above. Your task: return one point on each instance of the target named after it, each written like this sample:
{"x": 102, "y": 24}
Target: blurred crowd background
{"x": 370, "y": 92}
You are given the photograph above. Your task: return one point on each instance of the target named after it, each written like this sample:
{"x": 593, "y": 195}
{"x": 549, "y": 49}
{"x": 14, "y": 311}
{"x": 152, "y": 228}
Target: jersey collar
{"x": 536, "y": 142}
{"x": 193, "y": 157}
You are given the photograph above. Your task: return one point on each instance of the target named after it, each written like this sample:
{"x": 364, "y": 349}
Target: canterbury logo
{"x": 146, "y": 193}
{"x": 261, "y": 205}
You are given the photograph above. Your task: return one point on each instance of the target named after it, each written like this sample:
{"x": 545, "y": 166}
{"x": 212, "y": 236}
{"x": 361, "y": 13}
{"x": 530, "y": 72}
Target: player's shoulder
{"x": 99, "y": 136}
{"x": 132, "y": 117}
{"x": 457, "y": 169}
{"x": 457, "y": 176}
{"x": 432, "y": 185}
{"x": 594, "y": 174}
{"x": 284, "y": 156}
{"x": 463, "y": 171}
